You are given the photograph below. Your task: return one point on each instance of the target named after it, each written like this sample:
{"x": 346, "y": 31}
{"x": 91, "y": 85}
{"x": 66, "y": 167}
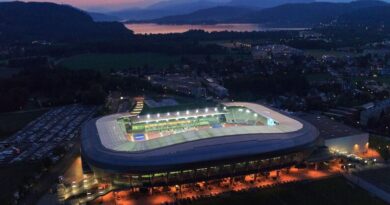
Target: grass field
{"x": 13, "y": 121}
{"x": 334, "y": 191}
{"x": 107, "y": 62}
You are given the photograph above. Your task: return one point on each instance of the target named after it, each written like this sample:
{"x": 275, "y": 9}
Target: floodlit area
{"x": 123, "y": 132}
{"x": 154, "y": 143}
{"x": 150, "y": 127}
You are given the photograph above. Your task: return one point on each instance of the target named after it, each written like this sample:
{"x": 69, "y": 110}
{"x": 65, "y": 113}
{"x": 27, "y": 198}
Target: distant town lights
{"x": 197, "y": 111}
{"x": 187, "y": 112}
{"x": 206, "y": 110}
{"x": 148, "y": 116}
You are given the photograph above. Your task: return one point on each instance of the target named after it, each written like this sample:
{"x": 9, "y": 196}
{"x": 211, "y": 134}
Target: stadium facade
{"x": 186, "y": 146}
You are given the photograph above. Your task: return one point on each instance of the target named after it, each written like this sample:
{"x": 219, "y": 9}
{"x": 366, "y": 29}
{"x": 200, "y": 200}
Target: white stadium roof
{"x": 105, "y": 145}
{"x": 114, "y": 137}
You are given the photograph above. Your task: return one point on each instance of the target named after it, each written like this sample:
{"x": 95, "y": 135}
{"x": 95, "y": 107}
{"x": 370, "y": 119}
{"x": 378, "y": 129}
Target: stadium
{"x": 185, "y": 146}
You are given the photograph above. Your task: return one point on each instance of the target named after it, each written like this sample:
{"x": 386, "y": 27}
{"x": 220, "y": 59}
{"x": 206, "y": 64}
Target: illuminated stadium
{"x": 184, "y": 146}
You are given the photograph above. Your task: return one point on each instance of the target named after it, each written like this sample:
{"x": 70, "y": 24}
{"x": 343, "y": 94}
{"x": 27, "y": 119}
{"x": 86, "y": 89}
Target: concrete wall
{"x": 351, "y": 144}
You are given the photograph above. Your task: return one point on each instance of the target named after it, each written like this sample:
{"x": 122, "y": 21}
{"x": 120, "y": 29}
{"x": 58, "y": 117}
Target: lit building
{"x": 338, "y": 136}
{"x": 185, "y": 146}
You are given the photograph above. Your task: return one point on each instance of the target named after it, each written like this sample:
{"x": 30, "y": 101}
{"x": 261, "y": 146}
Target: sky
{"x": 100, "y": 4}
{"x": 107, "y": 5}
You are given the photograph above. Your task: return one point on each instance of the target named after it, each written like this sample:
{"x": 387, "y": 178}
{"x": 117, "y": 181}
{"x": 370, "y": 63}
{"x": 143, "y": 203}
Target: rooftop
{"x": 114, "y": 137}
{"x": 105, "y": 145}
{"x": 329, "y": 128}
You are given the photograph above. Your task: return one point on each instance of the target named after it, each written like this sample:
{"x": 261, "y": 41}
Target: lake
{"x": 152, "y": 28}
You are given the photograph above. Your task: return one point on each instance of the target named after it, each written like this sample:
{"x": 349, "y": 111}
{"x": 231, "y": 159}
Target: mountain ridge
{"x": 286, "y": 15}
{"x": 209, "y": 16}
{"x": 28, "y": 21}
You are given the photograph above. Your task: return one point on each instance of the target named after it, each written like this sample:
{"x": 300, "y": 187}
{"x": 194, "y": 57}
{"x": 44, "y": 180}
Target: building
{"x": 215, "y": 88}
{"x": 186, "y": 146}
{"x": 310, "y": 35}
{"x": 377, "y": 52}
{"x": 372, "y": 111}
{"x": 385, "y": 71}
{"x": 275, "y": 51}
{"x": 338, "y": 136}
{"x": 179, "y": 83}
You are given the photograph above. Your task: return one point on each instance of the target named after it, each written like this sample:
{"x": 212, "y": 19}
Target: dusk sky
{"x": 100, "y": 4}
{"x": 107, "y": 5}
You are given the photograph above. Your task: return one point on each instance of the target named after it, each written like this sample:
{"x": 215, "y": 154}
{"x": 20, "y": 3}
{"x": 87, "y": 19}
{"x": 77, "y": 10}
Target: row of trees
{"x": 259, "y": 86}
{"x": 49, "y": 87}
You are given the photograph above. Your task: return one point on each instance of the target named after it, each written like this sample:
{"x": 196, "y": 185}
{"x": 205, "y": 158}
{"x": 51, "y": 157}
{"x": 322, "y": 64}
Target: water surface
{"x": 152, "y": 28}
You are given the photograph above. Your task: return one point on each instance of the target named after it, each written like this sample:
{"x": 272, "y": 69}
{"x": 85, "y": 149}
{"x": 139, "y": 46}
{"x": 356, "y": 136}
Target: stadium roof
{"x": 178, "y": 115}
{"x": 104, "y": 143}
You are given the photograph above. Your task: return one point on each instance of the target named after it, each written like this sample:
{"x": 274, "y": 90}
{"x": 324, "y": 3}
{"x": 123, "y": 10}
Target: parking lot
{"x": 47, "y": 137}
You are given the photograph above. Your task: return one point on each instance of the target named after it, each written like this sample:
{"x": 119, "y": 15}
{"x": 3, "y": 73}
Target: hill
{"x": 100, "y": 17}
{"x": 21, "y": 21}
{"x": 374, "y": 16}
{"x": 164, "y": 8}
{"x": 287, "y": 15}
{"x": 179, "y": 7}
{"x": 207, "y": 16}
{"x": 306, "y": 15}
{"x": 265, "y": 3}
